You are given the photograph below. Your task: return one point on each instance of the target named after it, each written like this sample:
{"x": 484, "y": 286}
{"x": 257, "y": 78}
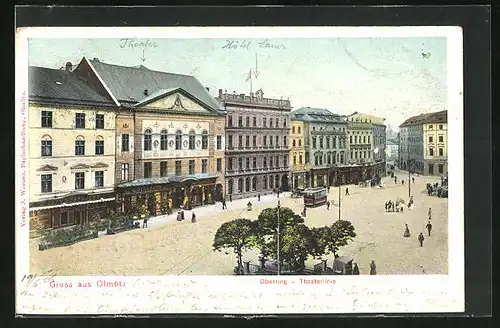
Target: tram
{"x": 314, "y": 196}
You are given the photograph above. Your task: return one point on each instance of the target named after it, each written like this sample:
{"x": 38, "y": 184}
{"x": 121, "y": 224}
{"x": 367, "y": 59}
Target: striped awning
{"x": 102, "y": 200}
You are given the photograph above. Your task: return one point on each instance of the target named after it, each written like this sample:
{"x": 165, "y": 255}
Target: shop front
{"x": 76, "y": 209}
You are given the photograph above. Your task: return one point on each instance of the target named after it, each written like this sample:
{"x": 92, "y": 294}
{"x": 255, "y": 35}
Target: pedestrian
{"x": 421, "y": 239}
{"x": 429, "y": 227}
{"x": 395, "y": 180}
{"x": 386, "y": 206}
{"x": 230, "y": 198}
{"x": 182, "y": 215}
{"x": 407, "y": 231}
{"x": 258, "y": 197}
{"x": 373, "y": 268}
{"x": 347, "y": 191}
{"x": 224, "y": 206}
{"x": 304, "y": 211}
{"x": 413, "y": 179}
{"x": 430, "y": 213}
{"x": 193, "y": 218}
{"x": 145, "y": 222}
{"x": 402, "y": 182}
{"x": 355, "y": 270}
{"x": 328, "y": 205}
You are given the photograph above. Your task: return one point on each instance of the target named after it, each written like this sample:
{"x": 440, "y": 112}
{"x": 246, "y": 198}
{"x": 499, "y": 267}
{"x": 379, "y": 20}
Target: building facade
{"x": 423, "y": 144}
{"x": 170, "y": 137}
{"x": 257, "y": 144}
{"x": 71, "y": 133}
{"x": 299, "y": 169}
{"x": 392, "y": 151}
{"x": 325, "y": 135}
{"x": 361, "y": 147}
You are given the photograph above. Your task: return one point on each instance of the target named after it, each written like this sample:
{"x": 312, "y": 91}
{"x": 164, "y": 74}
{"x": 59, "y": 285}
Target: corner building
{"x": 170, "y": 137}
{"x": 257, "y": 147}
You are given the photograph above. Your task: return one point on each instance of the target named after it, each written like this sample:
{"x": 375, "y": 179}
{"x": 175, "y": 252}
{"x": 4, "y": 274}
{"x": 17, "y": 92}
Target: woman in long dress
{"x": 407, "y": 231}
{"x": 373, "y": 268}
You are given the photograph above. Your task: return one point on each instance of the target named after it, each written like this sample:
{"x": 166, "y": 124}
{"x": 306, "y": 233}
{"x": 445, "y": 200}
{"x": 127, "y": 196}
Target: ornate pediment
{"x": 99, "y": 165}
{"x": 47, "y": 167}
{"x": 178, "y": 101}
{"x": 80, "y": 166}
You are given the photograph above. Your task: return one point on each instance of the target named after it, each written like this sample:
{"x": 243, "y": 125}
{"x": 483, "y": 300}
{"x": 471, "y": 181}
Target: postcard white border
{"x": 237, "y": 295}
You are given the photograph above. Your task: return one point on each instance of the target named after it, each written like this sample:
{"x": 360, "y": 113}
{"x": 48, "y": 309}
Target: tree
{"x": 237, "y": 234}
{"x": 330, "y": 239}
{"x": 295, "y": 245}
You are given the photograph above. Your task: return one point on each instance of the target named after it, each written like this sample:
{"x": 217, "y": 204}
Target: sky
{"x": 394, "y": 78}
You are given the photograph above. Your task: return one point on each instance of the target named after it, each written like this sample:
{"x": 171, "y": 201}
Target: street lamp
{"x": 278, "y": 252}
{"x": 408, "y": 164}
{"x": 339, "y": 199}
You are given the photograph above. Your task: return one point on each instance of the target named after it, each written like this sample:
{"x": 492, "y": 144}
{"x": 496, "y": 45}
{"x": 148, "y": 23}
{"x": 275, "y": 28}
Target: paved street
{"x": 168, "y": 247}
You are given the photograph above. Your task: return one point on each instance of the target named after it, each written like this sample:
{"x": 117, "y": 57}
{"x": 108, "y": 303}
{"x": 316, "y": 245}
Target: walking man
{"x": 231, "y": 198}
{"x": 421, "y": 239}
{"x": 328, "y": 205}
{"x": 193, "y": 218}
{"x": 402, "y": 182}
{"x": 373, "y": 268}
{"x": 145, "y": 223}
{"x": 224, "y": 206}
{"x": 429, "y": 227}
{"x": 347, "y": 191}
{"x": 258, "y": 197}
{"x": 413, "y": 179}
{"x": 395, "y": 180}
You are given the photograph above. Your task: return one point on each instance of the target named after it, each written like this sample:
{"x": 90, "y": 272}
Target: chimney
{"x": 69, "y": 66}
{"x": 146, "y": 93}
{"x": 220, "y": 93}
{"x": 208, "y": 89}
{"x": 96, "y": 59}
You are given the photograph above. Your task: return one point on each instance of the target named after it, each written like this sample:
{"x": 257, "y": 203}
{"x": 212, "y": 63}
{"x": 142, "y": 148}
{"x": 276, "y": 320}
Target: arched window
{"x": 240, "y": 185}
{"x": 164, "y": 139}
{"x": 178, "y": 140}
{"x": 191, "y": 139}
{"x": 46, "y": 145}
{"x": 80, "y": 146}
{"x": 277, "y": 181}
{"x": 247, "y": 184}
{"x": 254, "y": 183}
{"x": 230, "y": 186}
{"x": 264, "y": 182}
{"x": 271, "y": 184}
{"x": 204, "y": 139}
{"x": 99, "y": 145}
{"x": 148, "y": 139}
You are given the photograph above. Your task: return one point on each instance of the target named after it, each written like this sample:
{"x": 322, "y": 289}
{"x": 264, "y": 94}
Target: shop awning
{"x": 166, "y": 180}
{"x": 102, "y": 200}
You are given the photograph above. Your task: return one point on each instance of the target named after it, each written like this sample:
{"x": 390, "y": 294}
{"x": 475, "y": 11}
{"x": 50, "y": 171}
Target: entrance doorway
{"x": 218, "y": 192}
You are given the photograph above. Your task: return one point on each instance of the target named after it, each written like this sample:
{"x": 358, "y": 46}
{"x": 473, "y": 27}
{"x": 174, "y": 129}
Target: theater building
{"x": 71, "y": 132}
{"x": 170, "y": 136}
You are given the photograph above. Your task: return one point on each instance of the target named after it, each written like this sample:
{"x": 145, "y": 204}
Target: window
{"x": 306, "y": 158}
{"x": 293, "y": 143}
{"x": 99, "y": 146}
{"x": 264, "y": 122}
{"x": 320, "y": 142}
{"x": 230, "y": 141}
{"x": 125, "y": 142}
{"x": 240, "y": 163}
{"x": 264, "y": 180}
{"x": 99, "y": 121}
{"x": 284, "y": 141}
{"x": 229, "y": 121}
{"x": 254, "y": 183}
{"x": 203, "y": 166}
{"x": 294, "y": 159}
{"x": 264, "y": 140}
{"x": 247, "y": 141}
{"x": 327, "y": 142}
{"x": 80, "y": 147}
{"x": 314, "y": 142}
{"x": 270, "y": 122}
{"x": 440, "y": 128}
{"x": 254, "y": 141}
{"x": 277, "y": 123}
{"x": 99, "y": 179}
{"x": 80, "y": 120}
{"x": 440, "y": 151}
{"x": 191, "y": 166}
{"x": 178, "y": 140}
{"x": 247, "y": 184}
{"x": 284, "y": 122}
{"x": 431, "y": 168}
{"x": 125, "y": 167}
{"x": 254, "y": 121}
{"x": 148, "y": 139}
{"x": 191, "y": 139}
{"x": 178, "y": 168}
{"x": 240, "y": 121}
{"x": 254, "y": 162}
{"x": 298, "y": 129}
{"x": 316, "y": 160}
{"x": 300, "y": 142}
{"x": 219, "y": 142}
{"x": 277, "y": 141}
{"x": 329, "y": 159}
{"x": 248, "y": 163}
{"x": 46, "y": 182}
{"x": 440, "y": 138}
{"x": 440, "y": 168}
{"x": 430, "y": 127}
{"x": 230, "y": 163}
{"x": 431, "y": 139}
{"x": 264, "y": 162}
{"x": 240, "y": 185}
{"x": 342, "y": 158}
{"x": 230, "y": 187}
{"x": 364, "y": 139}
{"x": 270, "y": 162}
{"x": 163, "y": 169}
{"x": 248, "y": 121}
{"x": 270, "y": 140}
{"x": 240, "y": 141}
{"x": 355, "y": 139}
{"x": 285, "y": 161}
{"x": 350, "y": 139}
{"x": 300, "y": 159}
{"x": 79, "y": 180}
{"x": 277, "y": 161}
{"x": 219, "y": 164}
{"x": 46, "y": 146}
{"x": 148, "y": 169}
{"x": 46, "y": 119}
{"x": 431, "y": 152}
{"x": 293, "y": 129}
{"x": 164, "y": 140}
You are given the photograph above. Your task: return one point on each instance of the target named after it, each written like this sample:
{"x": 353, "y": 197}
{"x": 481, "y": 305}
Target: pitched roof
{"x": 61, "y": 86}
{"x": 127, "y": 84}
{"x": 309, "y": 114}
{"x": 435, "y": 117}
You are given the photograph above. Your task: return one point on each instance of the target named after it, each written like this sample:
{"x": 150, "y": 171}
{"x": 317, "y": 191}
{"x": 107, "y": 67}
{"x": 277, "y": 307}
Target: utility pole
{"x": 409, "y": 181}
{"x": 339, "y": 201}
{"x": 278, "y": 253}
